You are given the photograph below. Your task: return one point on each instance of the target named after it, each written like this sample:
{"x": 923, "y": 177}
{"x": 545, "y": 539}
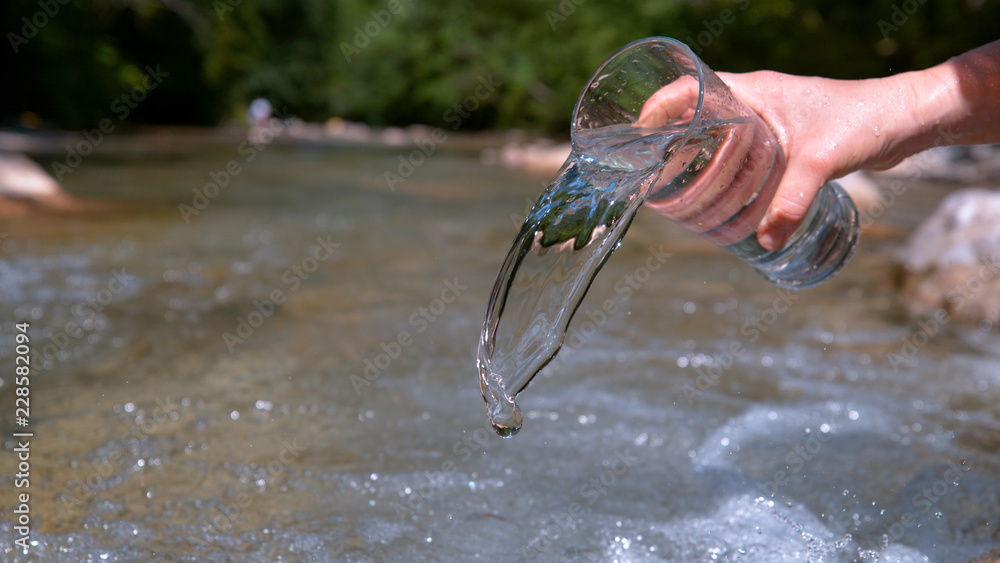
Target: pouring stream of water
{"x": 565, "y": 240}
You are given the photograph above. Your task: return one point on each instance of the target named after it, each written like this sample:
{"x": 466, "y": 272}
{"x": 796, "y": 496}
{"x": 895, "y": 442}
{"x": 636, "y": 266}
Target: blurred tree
{"x": 71, "y": 66}
{"x": 487, "y": 64}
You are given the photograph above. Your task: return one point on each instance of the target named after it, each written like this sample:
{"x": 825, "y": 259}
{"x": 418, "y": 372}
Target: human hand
{"x": 827, "y": 128}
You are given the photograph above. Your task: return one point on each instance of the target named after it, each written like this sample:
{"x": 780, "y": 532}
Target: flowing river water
{"x": 285, "y": 371}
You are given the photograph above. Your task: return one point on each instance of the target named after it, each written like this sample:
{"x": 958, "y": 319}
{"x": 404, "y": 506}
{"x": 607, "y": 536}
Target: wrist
{"x": 928, "y": 110}
{"x": 954, "y": 103}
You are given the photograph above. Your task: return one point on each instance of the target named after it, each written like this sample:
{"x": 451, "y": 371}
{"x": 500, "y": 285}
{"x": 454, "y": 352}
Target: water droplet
{"x": 235, "y": 415}
{"x": 505, "y": 431}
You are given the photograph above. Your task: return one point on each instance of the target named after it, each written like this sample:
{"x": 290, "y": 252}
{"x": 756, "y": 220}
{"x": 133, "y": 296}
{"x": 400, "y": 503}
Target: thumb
{"x": 791, "y": 201}
{"x": 673, "y": 101}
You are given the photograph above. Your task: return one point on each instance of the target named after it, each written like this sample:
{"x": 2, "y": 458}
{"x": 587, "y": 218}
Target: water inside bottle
{"x": 581, "y": 218}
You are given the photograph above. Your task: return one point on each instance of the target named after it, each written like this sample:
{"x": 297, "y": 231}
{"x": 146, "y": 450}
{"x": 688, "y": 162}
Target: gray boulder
{"x": 952, "y": 261}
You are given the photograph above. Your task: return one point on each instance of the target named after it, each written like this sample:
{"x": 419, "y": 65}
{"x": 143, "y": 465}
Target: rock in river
{"x": 992, "y": 557}
{"x": 952, "y": 261}
{"x": 26, "y": 188}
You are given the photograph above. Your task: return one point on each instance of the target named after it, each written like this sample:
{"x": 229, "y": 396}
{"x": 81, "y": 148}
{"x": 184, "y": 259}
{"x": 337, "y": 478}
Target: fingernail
{"x": 767, "y": 240}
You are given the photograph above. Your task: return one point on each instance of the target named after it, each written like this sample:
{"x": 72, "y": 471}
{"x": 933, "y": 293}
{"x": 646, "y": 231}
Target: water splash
{"x": 565, "y": 240}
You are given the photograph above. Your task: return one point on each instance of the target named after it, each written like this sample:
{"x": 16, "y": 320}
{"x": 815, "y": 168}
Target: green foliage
{"x": 396, "y": 62}
{"x": 71, "y": 69}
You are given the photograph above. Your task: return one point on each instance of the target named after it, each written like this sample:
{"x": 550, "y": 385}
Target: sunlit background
{"x": 403, "y": 62}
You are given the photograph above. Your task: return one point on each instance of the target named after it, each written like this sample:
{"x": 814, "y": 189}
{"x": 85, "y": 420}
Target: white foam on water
{"x": 774, "y": 425}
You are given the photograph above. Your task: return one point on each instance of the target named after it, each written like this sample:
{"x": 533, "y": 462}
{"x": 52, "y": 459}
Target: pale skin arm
{"x": 829, "y": 128}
